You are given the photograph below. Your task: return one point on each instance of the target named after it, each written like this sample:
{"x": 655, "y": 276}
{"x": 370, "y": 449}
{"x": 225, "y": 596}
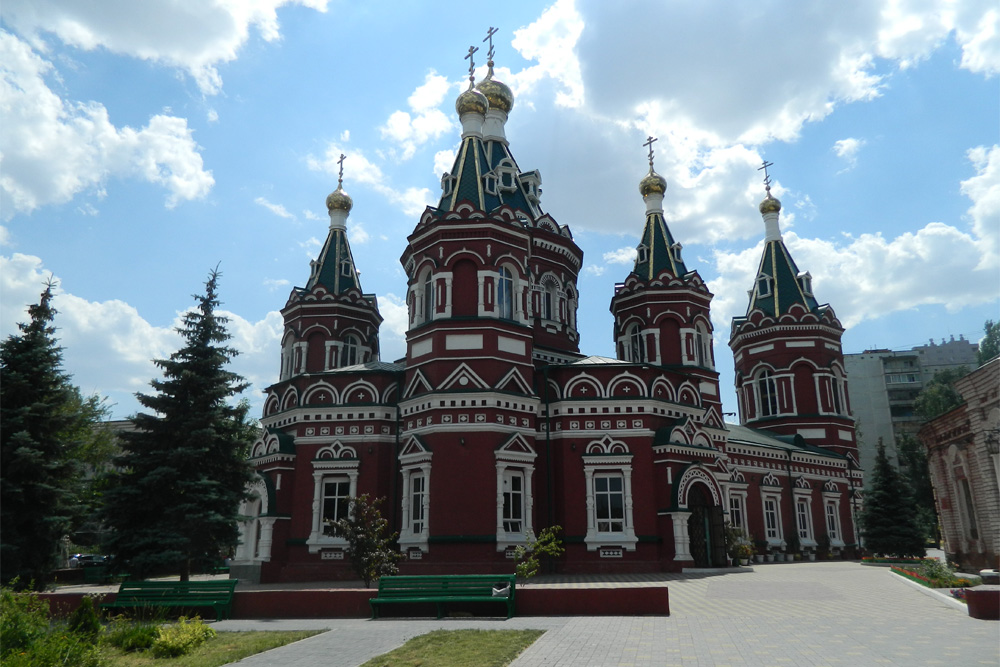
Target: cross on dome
{"x": 472, "y": 66}
{"x": 340, "y": 178}
{"x": 489, "y": 36}
{"x": 649, "y": 143}
{"x": 767, "y": 179}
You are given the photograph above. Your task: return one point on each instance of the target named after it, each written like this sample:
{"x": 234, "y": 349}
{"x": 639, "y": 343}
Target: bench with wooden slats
{"x": 214, "y": 593}
{"x": 442, "y": 589}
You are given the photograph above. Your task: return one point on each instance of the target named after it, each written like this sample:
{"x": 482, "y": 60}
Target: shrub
{"x": 940, "y": 574}
{"x": 131, "y": 636}
{"x": 182, "y": 638}
{"x": 24, "y": 619}
{"x": 83, "y": 621}
{"x": 56, "y": 649}
{"x": 526, "y": 556}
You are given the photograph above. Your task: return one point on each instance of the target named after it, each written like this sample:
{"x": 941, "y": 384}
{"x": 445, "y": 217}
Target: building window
{"x": 609, "y": 500}
{"x": 415, "y": 497}
{"x": 418, "y": 493}
{"x": 772, "y": 520}
{"x": 805, "y": 282}
{"x": 349, "y": 353}
{"x": 803, "y": 519}
{"x": 505, "y": 294}
{"x": 549, "y": 302}
{"x": 763, "y": 285}
{"x": 513, "y": 501}
{"x": 335, "y": 482}
{"x": 345, "y": 269}
{"x": 767, "y": 394}
{"x": 970, "y": 509}
{"x": 637, "y": 345}
{"x": 736, "y": 509}
{"x": 832, "y": 523}
{"x": 675, "y": 251}
{"x": 642, "y": 254}
{"x": 703, "y": 346}
{"x": 428, "y": 297}
{"x": 336, "y": 500}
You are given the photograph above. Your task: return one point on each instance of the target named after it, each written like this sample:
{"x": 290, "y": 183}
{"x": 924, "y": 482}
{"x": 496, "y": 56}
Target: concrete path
{"x": 781, "y": 614}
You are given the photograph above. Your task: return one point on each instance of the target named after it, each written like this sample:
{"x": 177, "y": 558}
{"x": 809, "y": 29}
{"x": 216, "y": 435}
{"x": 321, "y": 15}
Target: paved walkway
{"x": 835, "y": 613}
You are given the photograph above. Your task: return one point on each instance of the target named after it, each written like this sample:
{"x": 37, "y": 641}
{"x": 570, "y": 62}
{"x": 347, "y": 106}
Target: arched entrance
{"x": 705, "y": 528}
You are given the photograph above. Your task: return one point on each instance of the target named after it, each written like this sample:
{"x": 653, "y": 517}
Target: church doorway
{"x": 706, "y": 527}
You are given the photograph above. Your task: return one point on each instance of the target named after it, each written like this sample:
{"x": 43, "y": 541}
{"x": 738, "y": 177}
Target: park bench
{"x": 446, "y": 588}
{"x": 214, "y": 593}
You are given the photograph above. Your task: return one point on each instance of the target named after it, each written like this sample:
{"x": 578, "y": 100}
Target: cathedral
{"x": 495, "y": 426}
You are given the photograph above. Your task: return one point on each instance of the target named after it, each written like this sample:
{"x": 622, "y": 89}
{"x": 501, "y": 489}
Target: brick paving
{"x": 814, "y": 614}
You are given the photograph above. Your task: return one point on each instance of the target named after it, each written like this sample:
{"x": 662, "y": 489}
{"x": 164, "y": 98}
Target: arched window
{"x": 428, "y": 296}
{"x": 767, "y": 394}
{"x": 637, "y": 345}
{"x": 349, "y": 356}
{"x": 505, "y": 294}
{"x": 549, "y": 303}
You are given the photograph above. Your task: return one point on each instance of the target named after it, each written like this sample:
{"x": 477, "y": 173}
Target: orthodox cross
{"x": 340, "y": 179}
{"x": 649, "y": 143}
{"x": 489, "y": 35}
{"x": 472, "y": 66}
{"x": 767, "y": 179}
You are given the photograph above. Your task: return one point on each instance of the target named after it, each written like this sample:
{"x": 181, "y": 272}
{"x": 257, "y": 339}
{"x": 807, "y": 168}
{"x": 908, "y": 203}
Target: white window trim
{"x": 257, "y": 531}
{"x": 777, "y": 541}
{"x": 506, "y": 539}
{"x": 833, "y": 499}
{"x": 809, "y": 541}
{"x": 418, "y": 462}
{"x": 323, "y": 470}
{"x": 741, "y": 494}
{"x": 620, "y": 464}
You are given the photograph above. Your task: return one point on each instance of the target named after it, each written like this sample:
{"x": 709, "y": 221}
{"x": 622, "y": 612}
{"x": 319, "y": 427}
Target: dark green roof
{"x": 763, "y": 438}
{"x": 778, "y": 267}
{"x": 658, "y": 241}
{"x": 334, "y": 269}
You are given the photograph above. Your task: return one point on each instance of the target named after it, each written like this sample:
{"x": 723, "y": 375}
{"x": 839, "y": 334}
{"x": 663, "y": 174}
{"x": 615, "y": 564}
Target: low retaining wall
{"x": 353, "y": 603}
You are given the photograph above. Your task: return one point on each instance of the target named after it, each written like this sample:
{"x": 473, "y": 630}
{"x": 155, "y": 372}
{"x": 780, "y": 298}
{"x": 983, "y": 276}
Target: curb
{"x": 937, "y": 595}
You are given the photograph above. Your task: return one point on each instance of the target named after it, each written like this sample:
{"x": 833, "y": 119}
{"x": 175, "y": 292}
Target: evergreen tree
{"x": 914, "y": 468}
{"x": 889, "y": 522}
{"x": 46, "y": 428}
{"x": 174, "y": 505}
{"x": 369, "y": 546}
{"x": 989, "y": 346}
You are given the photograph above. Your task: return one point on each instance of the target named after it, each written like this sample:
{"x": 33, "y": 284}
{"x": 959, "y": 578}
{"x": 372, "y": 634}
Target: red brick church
{"x": 494, "y": 425}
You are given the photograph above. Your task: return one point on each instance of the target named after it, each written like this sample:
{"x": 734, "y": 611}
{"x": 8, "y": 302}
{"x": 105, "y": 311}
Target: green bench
{"x": 446, "y": 588}
{"x": 214, "y": 593}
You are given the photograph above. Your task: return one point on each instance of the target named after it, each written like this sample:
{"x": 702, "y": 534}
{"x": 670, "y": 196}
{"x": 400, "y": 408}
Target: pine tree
{"x": 889, "y": 521}
{"x": 46, "y": 427}
{"x": 174, "y": 506}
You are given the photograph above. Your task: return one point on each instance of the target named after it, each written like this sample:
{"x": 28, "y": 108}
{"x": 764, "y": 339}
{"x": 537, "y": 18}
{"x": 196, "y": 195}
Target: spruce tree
{"x": 174, "y": 505}
{"x": 889, "y": 520}
{"x": 46, "y": 427}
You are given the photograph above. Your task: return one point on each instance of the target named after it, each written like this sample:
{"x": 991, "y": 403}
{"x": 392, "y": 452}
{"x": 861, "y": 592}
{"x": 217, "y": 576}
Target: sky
{"x": 143, "y": 144}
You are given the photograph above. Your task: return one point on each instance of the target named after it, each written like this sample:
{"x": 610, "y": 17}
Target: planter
{"x": 779, "y": 558}
{"x": 769, "y": 558}
{"x": 758, "y": 558}
{"x": 744, "y": 561}
{"x": 811, "y": 556}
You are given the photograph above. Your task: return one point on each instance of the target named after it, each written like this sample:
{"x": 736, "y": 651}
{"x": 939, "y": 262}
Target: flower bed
{"x": 879, "y": 560}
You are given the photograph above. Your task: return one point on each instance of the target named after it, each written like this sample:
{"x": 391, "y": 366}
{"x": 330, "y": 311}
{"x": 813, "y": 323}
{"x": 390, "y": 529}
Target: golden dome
{"x": 471, "y": 101}
{"x": 652, "y": 183}
{"x": 338, "y": 200}
{"x": 769, "y": 205}
{"x": 497, "y": 93}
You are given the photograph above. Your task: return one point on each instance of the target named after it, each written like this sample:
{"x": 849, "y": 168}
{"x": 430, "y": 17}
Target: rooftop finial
{"x": 767, "y": 179}
{"x": 472, "y": 66}
{"x": 340, "y": 178}
{"x": 649, "y": 144}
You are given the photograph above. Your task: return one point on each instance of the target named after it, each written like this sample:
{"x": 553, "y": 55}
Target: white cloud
{"x": 273, "y": 284}
{"x": 621, "y": 256}
{"x": 392, "y": 333}
{"x": 847, "y": 150}
{"x": 357, "y": 234}
{"x": 551, "y": 42}
{"x": 52, "y": 149}
{"x": 277, "y": 209}
{"x": 309, "y": 215}
{"x": 4, "y": 235}
{"x": 424, "y": 121}
{"x": 410, "y": 201}
{"x": 212, "y": 116}
{"x": 443, "y": 162}
{"x": 984, "y": 191}
{"x": 192, "y": 35}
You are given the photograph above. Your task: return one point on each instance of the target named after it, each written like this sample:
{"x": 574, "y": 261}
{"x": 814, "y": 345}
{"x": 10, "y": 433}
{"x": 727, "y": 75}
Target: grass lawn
{"x": 459, "y": 648}
{"x": 224, "y": 648}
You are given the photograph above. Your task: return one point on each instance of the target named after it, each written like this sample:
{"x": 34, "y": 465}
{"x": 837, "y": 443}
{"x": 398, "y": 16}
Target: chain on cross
{"x": 472, "y": 66}
{"x": 649, "y": 144}
{"x": 340, "y": 179}
{"x": 489, "y": 36}
{"x": 767, "y": 179}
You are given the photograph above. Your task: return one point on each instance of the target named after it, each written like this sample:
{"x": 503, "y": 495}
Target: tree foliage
{"x": 989, "y": 346}
{"x": 369, "y": 546}
{"x": 183, "y": 471}
{"x": 889, "y": 523}
{"x": 916, "y": 471}
{"x": 546, "y": 544}
{"x": 47, "y": 428}
{"x": 939, "y": 395}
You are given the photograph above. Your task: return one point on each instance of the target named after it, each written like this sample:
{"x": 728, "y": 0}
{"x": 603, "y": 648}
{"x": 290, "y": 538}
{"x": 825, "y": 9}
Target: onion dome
{"x": 471, "y": 101}
{"x": 497, "y": 92}
{"x": 338, "y": 200}
{"x": 769, "y": 204}
{"x": 652, "y": 183}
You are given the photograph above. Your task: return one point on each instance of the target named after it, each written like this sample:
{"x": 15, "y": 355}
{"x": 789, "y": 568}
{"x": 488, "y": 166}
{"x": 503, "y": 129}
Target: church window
{"x": 415, "y": 500}
{"x": 637, "y": 345}
{"x": 418, "y": 497}
{"x": 767, "y": 394}
{"x": 772, "y": 526}
{"x": 447, "y": 184}
{"x": 803, "y": 519}
{"x": 970, "y": 509}
{"x": 703, "y": 346}
{"x": 805, "y": 283}
{"x": 609, "y": 500}
{"x": 513, "y": 501}
{"x": 763, "y": 285}
{"x": 508, "y": 180}
{"x": 642, "y": 254}
{"x": 675, "y": 252}
{"x": 736, "y": 511}
{"x": 349, "y": 354}
{"x": 832, "y": 522}
{"x": 490, "y": 184}
{"x": 336, "y": 500}
{"x": 428, "y": 297}
{"x": 345, "y": 269}
{"x": 505, "y": 294}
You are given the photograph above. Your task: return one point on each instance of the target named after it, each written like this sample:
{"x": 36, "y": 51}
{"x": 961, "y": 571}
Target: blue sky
{"x": 144, "y": 143}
